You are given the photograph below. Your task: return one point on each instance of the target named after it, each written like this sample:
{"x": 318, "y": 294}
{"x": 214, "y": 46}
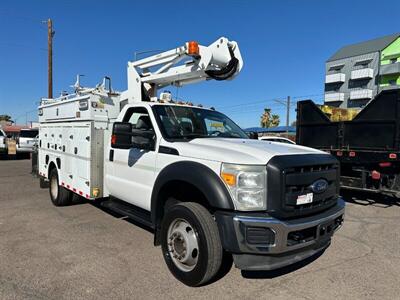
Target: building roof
{"x": 271, "y": 129}
{"x": 364, "y": 47}
{"x": 14, "y": 128}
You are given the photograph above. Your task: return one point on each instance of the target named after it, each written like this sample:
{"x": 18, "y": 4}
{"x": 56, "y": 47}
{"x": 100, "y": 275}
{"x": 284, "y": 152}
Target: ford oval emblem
{"x": 319, "y": 186}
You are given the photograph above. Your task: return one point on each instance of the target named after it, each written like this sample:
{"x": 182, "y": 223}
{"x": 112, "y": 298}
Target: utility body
{"x": 209, "y": 192}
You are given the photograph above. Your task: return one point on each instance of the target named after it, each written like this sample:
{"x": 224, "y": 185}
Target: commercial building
{"x": 356, "y": 73}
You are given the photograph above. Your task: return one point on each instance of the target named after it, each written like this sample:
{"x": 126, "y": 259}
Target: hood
{"x": 238, "y": 151}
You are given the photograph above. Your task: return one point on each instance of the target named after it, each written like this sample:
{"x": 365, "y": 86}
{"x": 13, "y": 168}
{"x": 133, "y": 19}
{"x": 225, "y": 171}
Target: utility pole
{"x": 287, "y": 104}
{"x": 287, "y": 114}
{"x": 50, "y": 34}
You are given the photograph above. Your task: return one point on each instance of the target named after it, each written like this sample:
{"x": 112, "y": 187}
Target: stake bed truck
{"x": 367, "y": 147}
{"x": 209, "y": 192}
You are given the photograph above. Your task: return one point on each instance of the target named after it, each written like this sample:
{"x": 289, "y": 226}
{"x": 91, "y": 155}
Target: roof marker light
{"x": 193, "y": 48}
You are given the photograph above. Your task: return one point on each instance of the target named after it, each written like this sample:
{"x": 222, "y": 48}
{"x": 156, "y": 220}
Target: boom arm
{"x": 190, "y": 63}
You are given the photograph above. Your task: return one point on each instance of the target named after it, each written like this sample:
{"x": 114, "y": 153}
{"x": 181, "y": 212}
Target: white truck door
{"x": 131, "y": 172}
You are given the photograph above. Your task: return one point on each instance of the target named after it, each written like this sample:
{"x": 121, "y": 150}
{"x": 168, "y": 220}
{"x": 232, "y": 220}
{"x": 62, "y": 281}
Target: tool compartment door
{"x": 81, "y": 159}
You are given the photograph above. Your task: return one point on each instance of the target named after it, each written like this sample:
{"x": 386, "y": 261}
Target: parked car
{"x": 3, "y": 140}
{"x": 26, "y": 140}
{"x": 278, "y": 139}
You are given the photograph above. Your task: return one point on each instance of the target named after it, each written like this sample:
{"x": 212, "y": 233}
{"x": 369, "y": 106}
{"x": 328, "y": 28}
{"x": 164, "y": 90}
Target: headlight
{"x": 247, "y": 186}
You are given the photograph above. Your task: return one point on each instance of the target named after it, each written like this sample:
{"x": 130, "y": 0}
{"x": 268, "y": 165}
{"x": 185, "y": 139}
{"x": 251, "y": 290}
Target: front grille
{"x": 292, "y": 176}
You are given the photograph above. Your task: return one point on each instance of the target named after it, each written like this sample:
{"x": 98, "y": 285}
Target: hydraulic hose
{"x": 226, "y": 72}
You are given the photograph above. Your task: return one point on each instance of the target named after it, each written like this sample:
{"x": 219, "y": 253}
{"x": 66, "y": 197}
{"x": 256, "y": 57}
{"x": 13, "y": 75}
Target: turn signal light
{"x": 352, "y": 154}
{"x": 193, "y": 48}
{"x": 229, "y": 179}
{"x": 113, "y": 139}
{"x": 392, "y": 155}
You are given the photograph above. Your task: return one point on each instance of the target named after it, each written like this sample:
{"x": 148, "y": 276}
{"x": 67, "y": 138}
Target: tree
{"x": 269, "y": 120}
{"x": 275, "y": 120}
{"x": 6, "y": 118}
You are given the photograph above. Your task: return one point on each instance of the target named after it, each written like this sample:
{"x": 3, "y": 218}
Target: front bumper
{"x": 24, "y": 149}
{"x": 285, "y": 241}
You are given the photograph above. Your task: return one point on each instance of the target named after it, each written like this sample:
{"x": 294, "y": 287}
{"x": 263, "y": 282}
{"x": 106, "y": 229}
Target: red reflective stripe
{"x": 87, "y": 196}
{"x": 74, "y": 189}
{"x": 62, "y": 183}
{"x": 392, "y": 155}
{"x": 67, "y": 185}
{"x": 352, "y": 154}
{"x": 80, "y": 193}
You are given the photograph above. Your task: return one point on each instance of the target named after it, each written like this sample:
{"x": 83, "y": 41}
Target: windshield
{"x": 28, "y": 133}
{"x": 181, "y": 122}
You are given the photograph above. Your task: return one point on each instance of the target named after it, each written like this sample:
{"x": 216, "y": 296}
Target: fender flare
{"x": 198, "y": 175}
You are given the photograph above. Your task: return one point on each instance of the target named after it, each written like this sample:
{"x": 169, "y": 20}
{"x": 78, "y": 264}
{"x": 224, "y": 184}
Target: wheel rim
{"x": 183, "y": 245}
{"x": 54, "y": 187}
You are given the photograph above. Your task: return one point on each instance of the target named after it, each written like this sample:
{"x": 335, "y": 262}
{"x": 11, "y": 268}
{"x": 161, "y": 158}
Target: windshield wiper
{"x": 189, "y": 136}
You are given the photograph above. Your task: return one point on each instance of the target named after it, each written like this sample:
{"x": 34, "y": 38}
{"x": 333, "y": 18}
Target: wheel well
{"x": 52, "y": 165}
{"x": 181, "y": 191}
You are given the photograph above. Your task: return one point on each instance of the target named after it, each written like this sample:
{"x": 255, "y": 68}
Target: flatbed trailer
{"x": 368, "y": 147}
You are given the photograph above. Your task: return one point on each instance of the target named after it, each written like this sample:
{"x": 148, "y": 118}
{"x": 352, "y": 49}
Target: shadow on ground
{"x": 370, "y": 199}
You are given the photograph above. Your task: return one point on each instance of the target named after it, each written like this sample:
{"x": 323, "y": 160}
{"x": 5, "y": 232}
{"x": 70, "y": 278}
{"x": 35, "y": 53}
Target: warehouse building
{"x": 356, "y": 73}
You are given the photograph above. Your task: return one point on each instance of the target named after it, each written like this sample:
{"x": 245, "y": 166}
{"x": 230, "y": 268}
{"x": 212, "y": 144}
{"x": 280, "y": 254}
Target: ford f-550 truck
{"x": 189, "y": 172}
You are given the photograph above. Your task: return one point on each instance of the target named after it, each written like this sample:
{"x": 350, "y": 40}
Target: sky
{"x": 284, "y": 45}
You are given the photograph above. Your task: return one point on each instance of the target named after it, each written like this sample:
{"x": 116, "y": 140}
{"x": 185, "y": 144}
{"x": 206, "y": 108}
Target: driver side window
{"x": 139, "y": 118}
{"x": 143, "y": 135}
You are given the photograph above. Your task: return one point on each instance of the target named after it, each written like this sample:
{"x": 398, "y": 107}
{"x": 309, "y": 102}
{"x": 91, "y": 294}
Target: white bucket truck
{"x": 209, "y": 192}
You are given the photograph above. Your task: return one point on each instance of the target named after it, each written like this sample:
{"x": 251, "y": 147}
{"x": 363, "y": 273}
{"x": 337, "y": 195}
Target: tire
{"x": 182, "y": 226}
{"x": 59, "y": 196}
{"x": 43, "y": 183}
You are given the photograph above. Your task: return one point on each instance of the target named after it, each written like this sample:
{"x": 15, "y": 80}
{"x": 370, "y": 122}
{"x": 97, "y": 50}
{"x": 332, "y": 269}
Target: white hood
{"x": 238, "y": 151}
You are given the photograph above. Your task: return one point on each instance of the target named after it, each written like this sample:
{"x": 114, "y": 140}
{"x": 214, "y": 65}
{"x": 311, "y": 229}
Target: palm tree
{"x": 274, "y": 121}
{"x": 267, "y": 120}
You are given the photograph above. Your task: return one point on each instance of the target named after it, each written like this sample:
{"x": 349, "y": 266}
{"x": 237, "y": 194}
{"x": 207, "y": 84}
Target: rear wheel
{"x": 43, "y": 183}
{"x": 191, "y": 244}
{"x": 59, "y": 196}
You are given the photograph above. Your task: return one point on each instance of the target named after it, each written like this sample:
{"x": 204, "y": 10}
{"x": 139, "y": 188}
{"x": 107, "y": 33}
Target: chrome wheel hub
{"x": 183, "y": 246}
{"x": 54, "y": 187}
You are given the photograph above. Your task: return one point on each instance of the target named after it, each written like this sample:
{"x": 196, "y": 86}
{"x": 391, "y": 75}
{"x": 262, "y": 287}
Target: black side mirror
{"x": 122, "y": 135}
{"x": 143, "y": 139}
{"x": 253, "y": 135}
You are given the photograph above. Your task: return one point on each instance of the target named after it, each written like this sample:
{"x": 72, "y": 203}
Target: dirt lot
{"x": 84, "y": 252}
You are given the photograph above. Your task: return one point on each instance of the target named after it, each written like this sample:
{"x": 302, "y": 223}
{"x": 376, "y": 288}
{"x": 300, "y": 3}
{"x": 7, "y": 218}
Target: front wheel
{"x": 191, "y": 244}
{"x": 59, "y": 196}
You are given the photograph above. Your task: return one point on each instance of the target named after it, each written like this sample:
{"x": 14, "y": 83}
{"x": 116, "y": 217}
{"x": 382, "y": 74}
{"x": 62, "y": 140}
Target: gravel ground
{"x": 83, "y": 252}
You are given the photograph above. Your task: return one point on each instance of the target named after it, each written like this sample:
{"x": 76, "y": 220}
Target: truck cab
{"x": 273, "y": 204}
{"x": 208, "y": 191}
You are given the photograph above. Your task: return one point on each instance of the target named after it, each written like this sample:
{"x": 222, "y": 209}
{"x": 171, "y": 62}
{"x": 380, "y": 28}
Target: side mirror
{"x": 121, "y": 135}
{"x": 253, "y": 135}
{"x": 143, "y": 139}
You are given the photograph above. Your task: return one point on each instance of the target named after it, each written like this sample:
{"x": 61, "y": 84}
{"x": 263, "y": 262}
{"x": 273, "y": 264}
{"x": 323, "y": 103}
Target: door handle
{"x": 111, "y": 156}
